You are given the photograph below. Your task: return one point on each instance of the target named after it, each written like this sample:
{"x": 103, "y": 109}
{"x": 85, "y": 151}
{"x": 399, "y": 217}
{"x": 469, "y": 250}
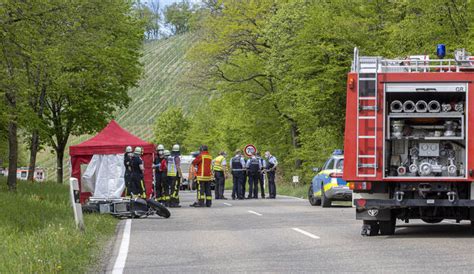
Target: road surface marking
{"x": 227, "y": 204}
{"x": 123, "y": 252}
{"x": 253, "y": 212}
{"x": 305, "y": 233}
{"x": 292, "y": 197}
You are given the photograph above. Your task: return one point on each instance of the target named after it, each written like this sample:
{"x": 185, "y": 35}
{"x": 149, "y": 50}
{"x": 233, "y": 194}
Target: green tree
{"x": 171, "y": 127}
{"x": 178, "y": 16}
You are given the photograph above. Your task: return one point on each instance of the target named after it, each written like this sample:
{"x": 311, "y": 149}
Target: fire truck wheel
{"x": 432, "y": 220}
{"x": 370, "y": 228}
{"x": 313, "y": 200}
{"x": 388, "y": 227}
{"x": 325, "y": 201}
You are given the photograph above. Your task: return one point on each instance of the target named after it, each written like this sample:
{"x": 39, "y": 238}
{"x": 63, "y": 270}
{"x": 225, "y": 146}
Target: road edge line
{"x": 297, "y": 198}
{"x": 227, "y": 204}
{"x": 119, "y": 265}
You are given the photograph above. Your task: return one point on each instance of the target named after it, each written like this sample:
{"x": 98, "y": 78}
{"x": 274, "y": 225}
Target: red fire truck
{"x": 409, "y": 139}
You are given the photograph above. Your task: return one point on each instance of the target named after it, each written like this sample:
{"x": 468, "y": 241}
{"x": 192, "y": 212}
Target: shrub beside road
{"x": 38, "y": 234}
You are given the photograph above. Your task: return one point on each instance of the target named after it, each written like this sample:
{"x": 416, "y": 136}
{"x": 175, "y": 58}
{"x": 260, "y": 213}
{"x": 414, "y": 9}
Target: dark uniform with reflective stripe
{"x": 238, "y": 177}
{"x": 253, "y": 170}
{"x": 136, "y": 182}
{"x": 127, "y": 162}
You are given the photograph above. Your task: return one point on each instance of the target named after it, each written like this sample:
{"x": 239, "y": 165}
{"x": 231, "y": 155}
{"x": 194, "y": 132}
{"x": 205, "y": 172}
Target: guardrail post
{"x": 76, "y": 204}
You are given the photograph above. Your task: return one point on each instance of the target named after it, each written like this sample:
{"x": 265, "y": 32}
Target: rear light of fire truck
{"x": 360, "y": 185}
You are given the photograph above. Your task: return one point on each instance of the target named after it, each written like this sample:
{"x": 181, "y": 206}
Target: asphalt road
{"x": 286, "y": 235}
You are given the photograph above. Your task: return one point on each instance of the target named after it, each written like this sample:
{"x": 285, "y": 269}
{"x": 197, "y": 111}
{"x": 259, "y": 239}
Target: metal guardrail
{"x": 463, "y": 62}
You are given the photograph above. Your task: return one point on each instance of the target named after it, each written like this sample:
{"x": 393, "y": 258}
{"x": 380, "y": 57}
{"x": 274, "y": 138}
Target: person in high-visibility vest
{"x": 204, "y": 177}
{"x": 219, "y": 166}
{"x": 174, "y": 175}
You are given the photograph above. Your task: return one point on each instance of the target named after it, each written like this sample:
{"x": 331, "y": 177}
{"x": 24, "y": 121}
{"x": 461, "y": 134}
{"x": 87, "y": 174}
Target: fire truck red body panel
{"x": 350, "y": 139}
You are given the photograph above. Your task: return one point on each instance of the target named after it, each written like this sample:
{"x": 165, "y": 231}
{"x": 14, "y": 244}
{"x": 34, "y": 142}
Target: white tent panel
{"x": 104, "y": 176}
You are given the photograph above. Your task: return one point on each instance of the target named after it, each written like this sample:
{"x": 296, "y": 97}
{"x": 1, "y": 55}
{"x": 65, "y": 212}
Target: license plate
{"x": 430, "y": 201}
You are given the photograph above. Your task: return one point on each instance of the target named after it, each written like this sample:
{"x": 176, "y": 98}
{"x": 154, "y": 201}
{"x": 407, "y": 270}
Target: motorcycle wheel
{"x": 159, "y": 209}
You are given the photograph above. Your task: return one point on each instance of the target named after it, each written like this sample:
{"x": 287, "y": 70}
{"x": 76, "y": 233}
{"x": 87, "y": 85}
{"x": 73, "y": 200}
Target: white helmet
{"x": 128, "y": 149}
{"x": 175, "y": 148}
{"x": 160, "y": 147}
{"x": 167, "y": 152}
{"x": 138, "y": 150}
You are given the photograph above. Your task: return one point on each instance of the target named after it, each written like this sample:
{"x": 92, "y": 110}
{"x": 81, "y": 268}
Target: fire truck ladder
{"x": 367, "y": 99}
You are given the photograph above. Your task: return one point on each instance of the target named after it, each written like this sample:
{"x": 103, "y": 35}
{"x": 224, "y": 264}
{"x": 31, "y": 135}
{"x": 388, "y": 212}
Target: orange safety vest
{"x": 204, "y": 163}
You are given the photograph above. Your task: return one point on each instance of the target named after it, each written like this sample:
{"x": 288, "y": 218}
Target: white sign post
{"x": 296, "y": 180}
{"x": 76, "y": 204}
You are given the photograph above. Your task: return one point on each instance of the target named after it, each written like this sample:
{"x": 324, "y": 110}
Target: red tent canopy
{"x": 113, "y": 139}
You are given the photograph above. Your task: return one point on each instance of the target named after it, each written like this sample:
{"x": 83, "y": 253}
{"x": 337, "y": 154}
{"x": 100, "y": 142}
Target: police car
{"x": 328, "y": 185}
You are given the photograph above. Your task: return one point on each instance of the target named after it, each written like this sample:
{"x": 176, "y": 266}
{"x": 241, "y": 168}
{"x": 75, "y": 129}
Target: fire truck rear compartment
{"x": 425, "y": 132}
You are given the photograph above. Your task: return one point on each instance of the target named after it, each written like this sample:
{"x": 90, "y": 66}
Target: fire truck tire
{"x": 370, "y": 228}
{"x": 325, "y": 201}
{"x": 388, "y": 227}
{"x": 432, "y": 220}
{"x": 313, "y": 200}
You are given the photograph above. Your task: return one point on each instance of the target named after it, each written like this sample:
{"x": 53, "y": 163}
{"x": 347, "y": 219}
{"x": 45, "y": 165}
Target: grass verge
{"x": 38, "y": 235}
{"x": 300, "y": 190}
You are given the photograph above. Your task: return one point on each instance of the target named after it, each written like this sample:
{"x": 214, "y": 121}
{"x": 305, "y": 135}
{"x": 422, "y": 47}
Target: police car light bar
{"x": 338, "y": 152}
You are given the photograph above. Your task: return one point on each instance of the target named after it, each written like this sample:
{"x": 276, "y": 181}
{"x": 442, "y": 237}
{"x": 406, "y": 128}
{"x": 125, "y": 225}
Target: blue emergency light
{"x": 338, "y": 152}
{"x": 441, "y": 51}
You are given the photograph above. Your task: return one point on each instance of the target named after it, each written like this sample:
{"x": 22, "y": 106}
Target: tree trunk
{"x": 12, "y": 155}
{"x": 33, "y": 151}
{"x": 59, "y": 163}
{"x": 295, "y": 142}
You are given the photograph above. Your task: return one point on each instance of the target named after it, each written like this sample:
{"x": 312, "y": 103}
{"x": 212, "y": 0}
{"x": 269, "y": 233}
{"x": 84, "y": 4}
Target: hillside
{"x": 165, "y": 69}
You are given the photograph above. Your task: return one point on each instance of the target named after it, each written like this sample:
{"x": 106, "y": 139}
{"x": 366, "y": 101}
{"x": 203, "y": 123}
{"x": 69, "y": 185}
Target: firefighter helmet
{"x": 167, "y": 152}
{"x": 175, "y": 148}
{"x": 128, "y": 149}
{"x": 160, "y": 147}
{"x": 138, "y": 150}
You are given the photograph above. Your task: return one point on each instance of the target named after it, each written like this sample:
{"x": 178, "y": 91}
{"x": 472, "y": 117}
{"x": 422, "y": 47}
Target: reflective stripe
{"x": 208, "y": 197}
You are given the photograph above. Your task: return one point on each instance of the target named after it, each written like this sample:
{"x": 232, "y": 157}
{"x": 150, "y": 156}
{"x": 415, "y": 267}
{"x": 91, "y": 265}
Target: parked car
{"x": 327, "y": 185}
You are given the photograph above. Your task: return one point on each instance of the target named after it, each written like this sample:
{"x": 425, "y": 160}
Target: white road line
{"x": 227, "y": 204}
{"x": 305, "y": 233}
{"x": 253, "y": 212}
{"x": 123, "y": 252}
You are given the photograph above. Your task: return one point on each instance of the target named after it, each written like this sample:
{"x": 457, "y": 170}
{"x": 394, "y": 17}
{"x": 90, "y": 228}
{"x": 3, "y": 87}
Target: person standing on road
{"x": 136, "y": 177}
{"x": 261, "y": 177}
{"x": 237, "y": 168}
{"x": 219, "y": 168}
{"x": 164, "y": 176}
{"x": 158, "y": 171}
{"x": 204, "y": 177}
{"x": 127, "y": 162}
{"x": 271, "y": 169}
{"x": 174, "y": 175}
{"x": 253, "y": 170}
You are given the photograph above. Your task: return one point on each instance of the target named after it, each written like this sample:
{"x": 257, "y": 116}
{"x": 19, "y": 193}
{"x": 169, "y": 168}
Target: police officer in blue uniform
{"x": 253, "y": 170}
{"x": 237, "y": 168}
{"x": 270, "y": 170}
{"x": 261, "y": 177}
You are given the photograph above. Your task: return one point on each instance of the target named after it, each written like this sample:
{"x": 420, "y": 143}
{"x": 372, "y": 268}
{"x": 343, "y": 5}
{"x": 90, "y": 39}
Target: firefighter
{"x": 174, "y": 175}
{"x": 164, "y": 177}
{"x": 136, "y": 176}
{"x": 272, "y": 164}
{"x": 253, "y": 170}
{"x": 237, "y": 169}
{"x": 158, "y": 171}
{"x": 204, "y": 177}
{"x": 219, "y": 168}
{"x": 127, "y": 162}
{"x": 261, "y": 177}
